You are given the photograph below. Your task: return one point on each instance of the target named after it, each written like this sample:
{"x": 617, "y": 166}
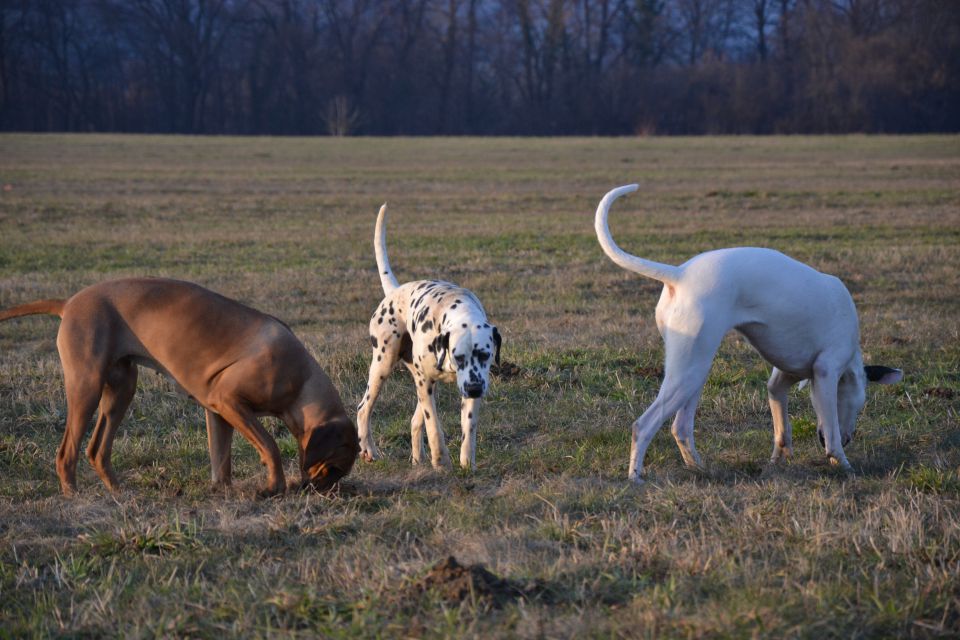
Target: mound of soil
{"x": 454, "y": 583}
{"x": 939, "y": 392}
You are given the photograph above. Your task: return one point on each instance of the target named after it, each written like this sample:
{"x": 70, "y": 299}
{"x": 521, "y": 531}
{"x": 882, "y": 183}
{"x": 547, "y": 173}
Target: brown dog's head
{"x": 329, "y": 452}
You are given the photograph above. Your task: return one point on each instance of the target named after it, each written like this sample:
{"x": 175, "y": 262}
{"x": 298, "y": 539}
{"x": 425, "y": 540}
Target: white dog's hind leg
{"x": 468, "y": 425}
{"x": 824, "y": 396}
{"x": 682, "y": 430}
{"x": 689, "y": 349}
{"x": 777, "y": 387}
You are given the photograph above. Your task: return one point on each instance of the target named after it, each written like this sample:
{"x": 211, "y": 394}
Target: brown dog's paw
{"x": 271, "y": 492}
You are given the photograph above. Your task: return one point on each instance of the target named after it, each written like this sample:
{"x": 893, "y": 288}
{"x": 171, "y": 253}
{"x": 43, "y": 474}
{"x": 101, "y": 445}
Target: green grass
{"x": 736, "y": 550}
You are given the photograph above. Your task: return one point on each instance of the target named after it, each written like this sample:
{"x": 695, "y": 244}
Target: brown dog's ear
{"x": 329, "y": 454}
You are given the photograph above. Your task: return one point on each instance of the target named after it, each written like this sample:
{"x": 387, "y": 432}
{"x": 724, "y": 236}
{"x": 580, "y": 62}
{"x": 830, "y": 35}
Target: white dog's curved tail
{"x": 387, "y": 279}
{"x": 663, "y": 272}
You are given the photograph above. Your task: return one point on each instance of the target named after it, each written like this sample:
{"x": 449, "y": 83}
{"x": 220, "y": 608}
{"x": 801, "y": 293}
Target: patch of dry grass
{"x": 286, "y": 224}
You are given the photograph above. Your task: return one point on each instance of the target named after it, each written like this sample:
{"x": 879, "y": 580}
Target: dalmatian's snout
{"x": 473, "y": 389}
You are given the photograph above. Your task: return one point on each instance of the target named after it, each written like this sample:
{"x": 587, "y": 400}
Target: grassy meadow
{"x": 739, "y": 549}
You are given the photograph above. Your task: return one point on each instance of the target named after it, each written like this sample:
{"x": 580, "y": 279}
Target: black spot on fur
{"x": 452, "y": 307}
{"x": 373, "y": 341}
{"x": 426, "y": 413}
{"x": 379, "y": 358}
{"x": 464, "y": 325}
{"x": 470, "y": 414}
{"x": 380, "y": 321}
{"x": 427, "y": 326}
{"x": 406, "y": 348}
{"x": 429, "y": 391}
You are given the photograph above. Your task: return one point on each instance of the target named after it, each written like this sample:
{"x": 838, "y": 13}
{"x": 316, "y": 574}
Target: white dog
{"x": 803, "y": 322}
{"x": 440, "y": 332}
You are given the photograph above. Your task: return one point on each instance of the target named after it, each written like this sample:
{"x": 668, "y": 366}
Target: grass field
{"x": 286, "y": 225}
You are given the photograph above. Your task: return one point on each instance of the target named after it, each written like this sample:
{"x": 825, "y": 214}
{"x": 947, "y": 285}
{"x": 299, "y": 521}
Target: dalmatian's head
{"x": 468, "y": 349}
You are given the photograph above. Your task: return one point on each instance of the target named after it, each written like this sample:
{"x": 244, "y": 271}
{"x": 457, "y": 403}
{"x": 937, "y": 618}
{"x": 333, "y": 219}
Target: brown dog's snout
{"x": 329, "y": 454}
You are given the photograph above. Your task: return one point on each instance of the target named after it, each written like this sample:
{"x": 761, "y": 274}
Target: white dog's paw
{"x": 842, "y": 463}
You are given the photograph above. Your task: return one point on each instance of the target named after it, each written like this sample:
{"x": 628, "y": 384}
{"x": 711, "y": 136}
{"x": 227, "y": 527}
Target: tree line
{"x": 526, "y": 67}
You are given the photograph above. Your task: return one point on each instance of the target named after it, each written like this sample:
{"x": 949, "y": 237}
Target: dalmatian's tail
{"x": 387, "y": 279}
{"x": 665, "y": 273}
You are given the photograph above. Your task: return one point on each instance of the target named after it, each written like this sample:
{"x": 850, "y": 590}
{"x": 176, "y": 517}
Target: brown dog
{"x": 236, "y": 362}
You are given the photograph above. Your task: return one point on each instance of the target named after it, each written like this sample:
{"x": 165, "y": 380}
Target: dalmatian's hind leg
{"x": 386, "y": 349}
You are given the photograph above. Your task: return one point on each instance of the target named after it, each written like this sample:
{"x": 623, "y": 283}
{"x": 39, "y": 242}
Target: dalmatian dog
{"x": 803, "y": 322}
{"x": 441, "y": 333}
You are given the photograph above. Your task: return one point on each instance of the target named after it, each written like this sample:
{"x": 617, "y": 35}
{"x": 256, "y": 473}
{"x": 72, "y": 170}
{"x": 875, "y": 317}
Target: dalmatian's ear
{"x": 497, "y": 339}
{"x": 441, "y": 344}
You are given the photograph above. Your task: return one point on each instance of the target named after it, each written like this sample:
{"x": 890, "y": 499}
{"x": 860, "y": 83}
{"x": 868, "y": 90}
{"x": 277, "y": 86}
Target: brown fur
{"x": 236, "y": 362}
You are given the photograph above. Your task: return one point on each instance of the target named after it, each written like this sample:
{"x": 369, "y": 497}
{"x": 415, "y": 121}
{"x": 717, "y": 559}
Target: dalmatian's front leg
{"x": 439, "y": 454}
{"x": 468, "y": 425}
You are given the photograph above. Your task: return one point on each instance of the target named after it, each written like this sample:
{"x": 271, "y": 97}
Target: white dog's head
{"x": 852, "y": 394}
{"x": 468, "y": 349}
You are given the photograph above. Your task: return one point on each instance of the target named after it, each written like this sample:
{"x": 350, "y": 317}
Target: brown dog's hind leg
{"x": 83, "y": 395}
{"x": 219, "y": 439}
{"x": 118, "y": 391}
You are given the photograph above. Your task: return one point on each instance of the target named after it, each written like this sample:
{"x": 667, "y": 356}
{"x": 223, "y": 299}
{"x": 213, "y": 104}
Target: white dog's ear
{"x": 883, "y": 375}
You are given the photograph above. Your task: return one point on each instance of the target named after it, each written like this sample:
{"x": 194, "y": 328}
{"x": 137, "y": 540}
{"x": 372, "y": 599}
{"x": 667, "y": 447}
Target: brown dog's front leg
{"x": 250, "y": 428}
{"x": 219, "y": 439}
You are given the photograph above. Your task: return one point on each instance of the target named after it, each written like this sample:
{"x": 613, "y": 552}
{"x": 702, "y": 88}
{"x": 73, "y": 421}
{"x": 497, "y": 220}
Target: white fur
{"x": 443, "y": 331}
{"x": 803, "y": 322}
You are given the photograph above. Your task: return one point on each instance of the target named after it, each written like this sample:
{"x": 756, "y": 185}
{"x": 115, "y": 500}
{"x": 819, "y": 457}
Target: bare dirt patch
{"x": 454, "y": 583}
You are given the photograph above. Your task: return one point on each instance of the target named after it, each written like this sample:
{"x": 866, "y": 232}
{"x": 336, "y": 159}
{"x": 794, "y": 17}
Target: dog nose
{"x": 473, "y": 389}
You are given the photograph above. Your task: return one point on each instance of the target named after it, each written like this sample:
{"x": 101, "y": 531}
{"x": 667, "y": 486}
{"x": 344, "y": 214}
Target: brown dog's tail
{"x": 48, "y": 307}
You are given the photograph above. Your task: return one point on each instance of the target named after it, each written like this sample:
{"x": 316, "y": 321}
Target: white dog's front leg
{"x": 825, "y": 404}
{"x": 468, "y": 425}
{"x": 777, "y": 387}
